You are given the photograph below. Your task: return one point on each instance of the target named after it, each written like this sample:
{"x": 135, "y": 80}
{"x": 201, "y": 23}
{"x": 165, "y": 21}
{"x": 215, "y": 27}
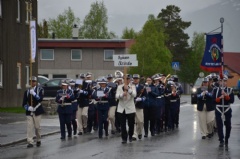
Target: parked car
{"x": 52, "y": 86}
{"x": 196, "y": 85}
{"x": 42, "y": 79}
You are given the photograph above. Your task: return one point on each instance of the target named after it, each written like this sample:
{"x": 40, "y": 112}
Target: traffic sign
{"x": 226, "y": 72}
{"x": 175, "y": 65}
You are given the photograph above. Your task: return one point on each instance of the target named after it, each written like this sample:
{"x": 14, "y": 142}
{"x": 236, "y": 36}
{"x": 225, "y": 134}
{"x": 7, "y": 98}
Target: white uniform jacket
{"x": 126, "y": 102}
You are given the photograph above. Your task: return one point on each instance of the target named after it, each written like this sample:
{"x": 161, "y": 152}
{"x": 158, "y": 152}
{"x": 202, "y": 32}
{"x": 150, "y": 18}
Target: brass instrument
{"x": 174, "y": 90}
{"x": 118, "y": 74}
{"x": 165, "y": 80}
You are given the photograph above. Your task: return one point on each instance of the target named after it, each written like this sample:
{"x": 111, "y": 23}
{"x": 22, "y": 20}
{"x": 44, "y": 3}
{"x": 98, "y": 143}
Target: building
{"x": 61, "y": 58}
{"x": 232, "y": 67}
{"x": 15, "y": 50}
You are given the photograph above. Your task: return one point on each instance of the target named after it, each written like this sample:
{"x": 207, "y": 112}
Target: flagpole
{"x": 221, "y": 21}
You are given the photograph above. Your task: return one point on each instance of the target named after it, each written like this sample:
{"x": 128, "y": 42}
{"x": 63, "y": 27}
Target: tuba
{"x": 118, "y": 74}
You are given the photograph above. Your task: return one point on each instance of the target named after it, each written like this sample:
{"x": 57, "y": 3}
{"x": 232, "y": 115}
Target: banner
{"x": 33, "y": 40}
{"x": 212, "y": 58}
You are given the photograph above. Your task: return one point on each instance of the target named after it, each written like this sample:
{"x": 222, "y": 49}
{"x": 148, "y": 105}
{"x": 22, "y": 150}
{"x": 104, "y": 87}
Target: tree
{"x": 43, "y": 29}
{"x": 129, "y": 33}
{"x": 95, "y": 23}
{"x": 40, "y": 30}
{"x": 152, "y": 54}
{"x": 191, "y": 67}
{"x": 63, "y": 24}
{"x": 177, "y": 41}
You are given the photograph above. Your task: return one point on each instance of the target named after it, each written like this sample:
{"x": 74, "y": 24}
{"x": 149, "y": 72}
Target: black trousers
{"x": 74, "y": 122}
{"x": 149, "y": 115}
{"x": 131, "y": 120}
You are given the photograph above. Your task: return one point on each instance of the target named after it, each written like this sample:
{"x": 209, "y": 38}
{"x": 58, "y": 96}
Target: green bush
{"x": 12, "y": 110}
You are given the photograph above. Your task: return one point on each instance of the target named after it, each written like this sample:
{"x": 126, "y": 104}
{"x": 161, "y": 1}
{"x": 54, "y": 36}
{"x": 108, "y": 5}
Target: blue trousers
{"x": 65, "y": 119}
{"x": 227, "y": 123}
{"x": 102, "y": 122}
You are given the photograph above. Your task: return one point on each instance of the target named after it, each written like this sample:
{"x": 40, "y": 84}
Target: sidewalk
{"x": 13, "y": 127}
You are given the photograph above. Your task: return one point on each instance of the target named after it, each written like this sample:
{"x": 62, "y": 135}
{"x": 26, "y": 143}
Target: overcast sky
{"x": 136, "y": 8}
{"x": 131, "y": 13}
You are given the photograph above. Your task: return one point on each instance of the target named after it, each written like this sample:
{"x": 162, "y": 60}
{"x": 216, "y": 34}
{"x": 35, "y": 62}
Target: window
{"x": 76, "y": 55}
{"x": 47, "y": 54}
{"x": 28, "y": 11}
{"x": 18, "y": 10}
{"x": 108, "y": 55}
{"x": 1, "y": 74}
{"x": 0, "y": 8}
{"x": 27, "y": 75}
{"x": 19, "y": 75}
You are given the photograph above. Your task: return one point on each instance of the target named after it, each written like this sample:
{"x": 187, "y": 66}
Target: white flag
{"x": 33, "y": 39}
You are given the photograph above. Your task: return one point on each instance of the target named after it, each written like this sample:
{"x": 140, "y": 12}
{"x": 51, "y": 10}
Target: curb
{"x": 43, "y": 135}
{"x": 25, "y": 139}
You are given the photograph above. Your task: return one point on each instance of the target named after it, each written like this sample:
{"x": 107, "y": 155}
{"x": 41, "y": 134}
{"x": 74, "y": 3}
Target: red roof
{"x": 232, "y": 61}
{"x": 85, "y": 43}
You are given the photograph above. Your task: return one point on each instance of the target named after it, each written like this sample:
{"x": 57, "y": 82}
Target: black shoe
{"x": 209, "y": 135}
{"x": 100, "y": 137}
{"x": 203, "y": 137}
{"x": 176, "y": 125}
{"x": 29, "y": 145}
{"x": 146, "y": 135}
{"x": 75, "y": 133}
{"x": 80, "y": 133}
{"x": 106, "y": 133}
{"x": 113, "y": 132}
{"x": 84, "y": 130}
{"x": 152, "y": 134}
{"x": 221, "y": 144}
{"x": 140, "y": 137}
{"x": 69, "y": 136}
{"x": 134, "y": 139}
{"x": 38, "y": 143}
{"x": 226, "y": 142}
{"x": 226, "y": 145}
{"x": 130, "y": 139}
{"x": 62, "y": 138}
{"x": 124, "y": 141}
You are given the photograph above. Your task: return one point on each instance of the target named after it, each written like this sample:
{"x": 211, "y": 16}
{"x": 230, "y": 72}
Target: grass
{"x": 12, "y": 110}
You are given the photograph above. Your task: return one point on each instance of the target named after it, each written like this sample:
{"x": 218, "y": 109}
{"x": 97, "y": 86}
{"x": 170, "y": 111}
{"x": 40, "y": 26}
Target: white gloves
{"x": 32, "y": 92}
{"x": 30, "y": 108}
{"x": 62, "y": 98}
{"x": 130, "y": 91}
{"x": 203, "y": 94}
{"x": 138, "y": 99}
{"x": 81, "y": 91}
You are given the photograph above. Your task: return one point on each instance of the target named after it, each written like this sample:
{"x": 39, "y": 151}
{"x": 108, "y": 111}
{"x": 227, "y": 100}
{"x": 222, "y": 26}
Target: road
{"x": 183, "y": 143}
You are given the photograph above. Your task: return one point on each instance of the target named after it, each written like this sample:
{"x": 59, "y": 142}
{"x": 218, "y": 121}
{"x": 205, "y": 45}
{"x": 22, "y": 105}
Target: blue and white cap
{"x": 102, "y": 80}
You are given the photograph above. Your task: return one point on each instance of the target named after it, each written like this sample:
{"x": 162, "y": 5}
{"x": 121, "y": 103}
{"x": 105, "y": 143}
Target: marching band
{"x": 134, "y": 106}
{"x": 115, "y": 104}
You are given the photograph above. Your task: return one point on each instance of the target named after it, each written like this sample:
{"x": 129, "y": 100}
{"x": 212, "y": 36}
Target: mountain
{"x": 208, "y": 19}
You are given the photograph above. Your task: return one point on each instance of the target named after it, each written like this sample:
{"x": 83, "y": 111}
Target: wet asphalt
{"x": 182, "y": 143}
